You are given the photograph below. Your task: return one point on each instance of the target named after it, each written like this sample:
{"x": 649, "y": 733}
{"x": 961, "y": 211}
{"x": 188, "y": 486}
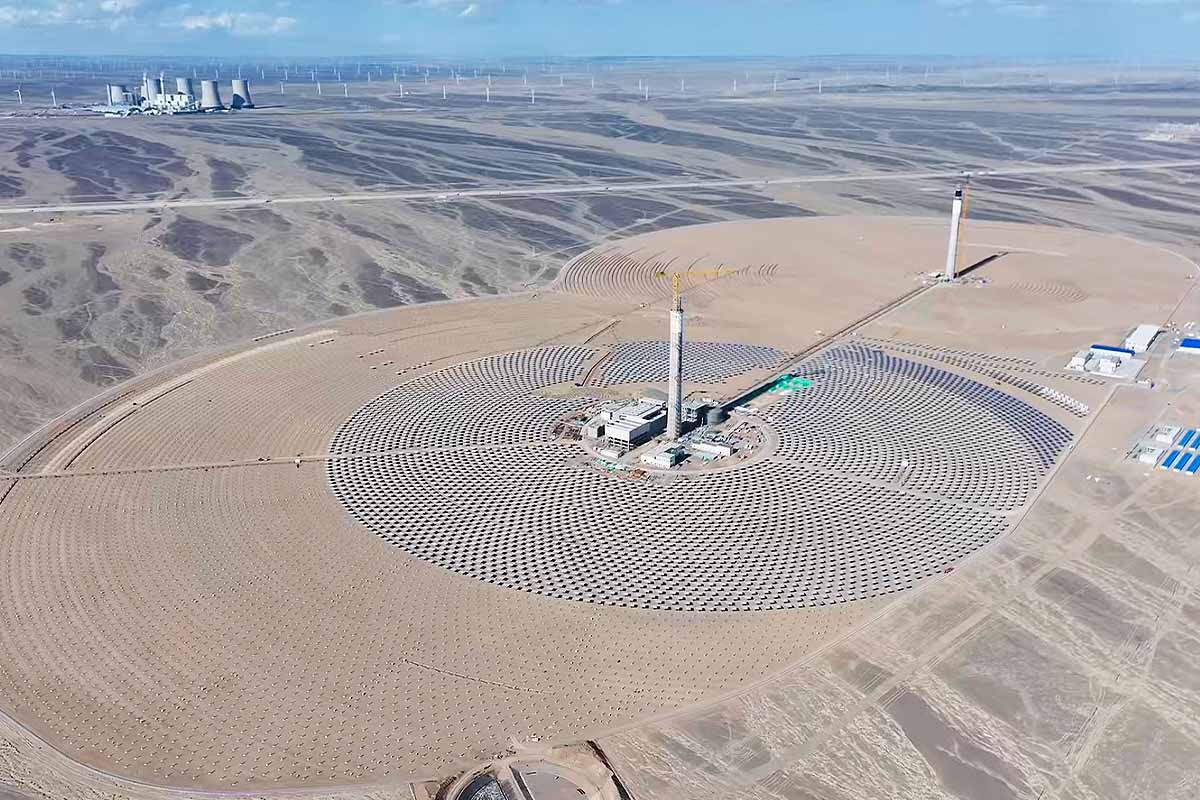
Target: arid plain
{"x": 1051, "y": 657}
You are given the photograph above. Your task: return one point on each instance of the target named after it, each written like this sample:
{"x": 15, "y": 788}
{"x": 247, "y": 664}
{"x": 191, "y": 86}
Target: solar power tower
{"x": 675, "y": 380}
{"x": 675, "y": 374}
{"x": 958, "y": 212}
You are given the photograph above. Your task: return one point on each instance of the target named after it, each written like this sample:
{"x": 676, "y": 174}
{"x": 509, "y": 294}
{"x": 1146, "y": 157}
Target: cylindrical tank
{"x": 210, "y": 96}
{"x": 184, "y": 86}
{"x": 716, "y": 416}
{"x": 241, "y": 94}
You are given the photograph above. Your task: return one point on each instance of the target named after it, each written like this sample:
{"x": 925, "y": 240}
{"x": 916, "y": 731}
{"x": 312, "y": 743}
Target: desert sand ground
{"x": 224, "y": 622}
{"x": 90, "y": 299}
{"x": 191, "y": 606}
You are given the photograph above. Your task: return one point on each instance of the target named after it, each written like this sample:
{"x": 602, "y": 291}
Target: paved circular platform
{"x": 888, "y": 471}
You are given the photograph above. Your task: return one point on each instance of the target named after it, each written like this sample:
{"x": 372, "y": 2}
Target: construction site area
{"x": 792, "y": 471}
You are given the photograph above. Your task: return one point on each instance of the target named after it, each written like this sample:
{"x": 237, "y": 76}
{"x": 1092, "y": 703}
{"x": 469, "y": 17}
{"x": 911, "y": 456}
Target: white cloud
{"x": 241, "y": 23}
{"x": 162, "y": 14}
{"x": 1027, "y": 10}
{"x": 58, "y": 13}
{"x": 467, "y": 9}
{"x": 1039, "y": 9}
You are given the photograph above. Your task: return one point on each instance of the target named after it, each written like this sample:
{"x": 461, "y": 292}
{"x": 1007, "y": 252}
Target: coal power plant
{"x": 152, "y": 97}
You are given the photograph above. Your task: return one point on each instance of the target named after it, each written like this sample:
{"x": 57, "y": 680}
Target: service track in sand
{"x": 356, "y": 554}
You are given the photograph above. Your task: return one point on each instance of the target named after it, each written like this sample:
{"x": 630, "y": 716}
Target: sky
{"x": 1128, "y": 29}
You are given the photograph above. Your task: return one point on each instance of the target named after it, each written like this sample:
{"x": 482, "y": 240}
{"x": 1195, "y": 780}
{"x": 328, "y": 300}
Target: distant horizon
{"x": 466, "y": 58}
{"x": 1123, "y": 30}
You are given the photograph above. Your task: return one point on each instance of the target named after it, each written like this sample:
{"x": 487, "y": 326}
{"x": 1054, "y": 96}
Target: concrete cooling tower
{"x": 241, "y": 94}
{"x": 184, "y": 86}
{"x": 118, "y": 94}
{"x": 152, "y": 88}
{"x": 210, "y": 96}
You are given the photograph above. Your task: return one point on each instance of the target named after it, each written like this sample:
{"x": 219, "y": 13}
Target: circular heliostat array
{"x": 887, "y": 471}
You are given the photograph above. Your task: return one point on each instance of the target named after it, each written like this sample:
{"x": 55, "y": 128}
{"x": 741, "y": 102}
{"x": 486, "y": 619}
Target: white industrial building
{"x": 1111, "y": 362}
{"x": 712, "y": 448}
{"x": 665, "y": 457}
{"x": 1149, "y": 455}
{"x": 1142, "y": 338}
{"x": 1188, "y": 346}
{"x": 625, "y": 425}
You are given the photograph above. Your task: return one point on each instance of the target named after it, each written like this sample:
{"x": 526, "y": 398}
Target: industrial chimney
{"x": 241, "y": 94}
{"x": 210, "y": 96}
{"x": 951, "y": 271}
{"x": 675, "y": 379}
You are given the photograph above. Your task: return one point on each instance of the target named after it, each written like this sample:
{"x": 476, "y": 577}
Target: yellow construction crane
{"x": 719, "y": 272}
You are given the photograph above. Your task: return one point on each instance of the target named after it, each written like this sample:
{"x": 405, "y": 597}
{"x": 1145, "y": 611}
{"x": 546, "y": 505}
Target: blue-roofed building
{"x": 1109, "y": 350}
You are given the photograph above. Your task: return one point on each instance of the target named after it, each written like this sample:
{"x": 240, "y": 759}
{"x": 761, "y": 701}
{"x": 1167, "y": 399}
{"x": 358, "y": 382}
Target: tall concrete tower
{"x": 210, "y": 96}
{"x": 951, "y": 271}
{"x": 241, "y": 94}
{"x": 675, "y": 380}
{"x": 150, "y": 90}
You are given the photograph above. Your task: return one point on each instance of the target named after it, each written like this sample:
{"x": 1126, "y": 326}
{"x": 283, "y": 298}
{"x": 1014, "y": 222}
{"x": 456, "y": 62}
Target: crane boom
{"x": 677, "y": 294}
